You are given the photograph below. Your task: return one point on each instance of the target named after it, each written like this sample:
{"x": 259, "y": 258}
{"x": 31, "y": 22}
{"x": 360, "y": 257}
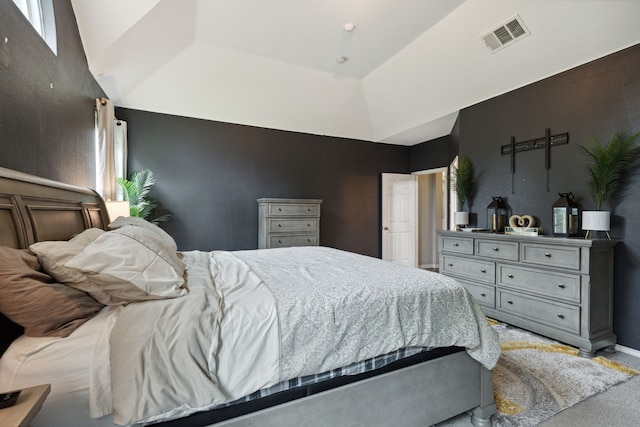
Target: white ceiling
{"x": 412, "y": 64}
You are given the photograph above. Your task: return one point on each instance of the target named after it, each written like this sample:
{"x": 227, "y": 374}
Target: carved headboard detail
{"x": 34, "y": 209}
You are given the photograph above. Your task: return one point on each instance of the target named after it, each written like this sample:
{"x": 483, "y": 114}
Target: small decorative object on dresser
{"x": 462, "y": 181}
{"x": 523, "y": 225}
{"x": 607, "y": 168}
{"x": 497, "y": 213}
{"x": 565, "y": 216}
{"x": 558, "y": 287}
{"x": 288, "y": 222}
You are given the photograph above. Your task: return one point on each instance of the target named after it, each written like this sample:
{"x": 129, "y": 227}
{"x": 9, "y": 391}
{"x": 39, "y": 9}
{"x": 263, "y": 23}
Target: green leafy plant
{"x": 136, "y": 190}
{"x": 608, "y": 165}
{"x": 463, "y": 180}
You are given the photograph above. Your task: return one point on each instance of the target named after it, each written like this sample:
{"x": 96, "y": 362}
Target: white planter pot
{"x": 596, "y": 221}
{"x": 461, "y": 218}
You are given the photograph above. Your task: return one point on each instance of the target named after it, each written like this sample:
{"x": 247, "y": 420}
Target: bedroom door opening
{"x": 414, "y": 207}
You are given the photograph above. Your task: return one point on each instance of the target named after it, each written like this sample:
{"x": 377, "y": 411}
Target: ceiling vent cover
{"x": 506, "y": 34}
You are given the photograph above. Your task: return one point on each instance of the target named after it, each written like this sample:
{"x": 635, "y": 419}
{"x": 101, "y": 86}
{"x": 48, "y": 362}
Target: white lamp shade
{"x": 461, "y": 218}
{"x": 596, "y": 220}
{"x": 117, "y": 208}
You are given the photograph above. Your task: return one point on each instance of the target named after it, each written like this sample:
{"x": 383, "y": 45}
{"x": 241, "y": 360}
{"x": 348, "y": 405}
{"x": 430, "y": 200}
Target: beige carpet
{"x": 536, "y": 377}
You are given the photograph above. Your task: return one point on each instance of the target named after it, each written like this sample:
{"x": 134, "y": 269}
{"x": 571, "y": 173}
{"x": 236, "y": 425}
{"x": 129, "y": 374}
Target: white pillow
{"x": 132, "y": 263}
{"x": 87, "y": 236}
{"x": 164, "y": 237}
{"x": 53, "y": 255}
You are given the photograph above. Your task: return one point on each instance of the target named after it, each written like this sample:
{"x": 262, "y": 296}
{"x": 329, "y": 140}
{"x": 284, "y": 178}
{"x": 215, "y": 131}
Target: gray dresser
{"x": 558, "y": 287}
{"x": 288, "y": 222}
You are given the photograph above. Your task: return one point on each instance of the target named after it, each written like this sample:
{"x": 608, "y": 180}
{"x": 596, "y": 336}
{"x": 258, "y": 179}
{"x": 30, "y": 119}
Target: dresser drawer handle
{"x": 510, "y": 276}
{"x": 456, "y": 244}
{"x": 482, "y": 270}
{"x": 450, "y": 264}
{"x": 482, "y": 294}
{"x": 279, "y": 241}
{"x": 309, "y": 240}
{"x": 561, "y": 285}
{"x": 309, "y": 209}
{"x": 279, "y": 209}
{"x": 496, "y": 249}
{"x": 509, "y": 302}
{"x": 561, "y": 316}
{"x": 280, "y": 225}
{"x": 547, "y": 254}
{"x": 308, "y": 225}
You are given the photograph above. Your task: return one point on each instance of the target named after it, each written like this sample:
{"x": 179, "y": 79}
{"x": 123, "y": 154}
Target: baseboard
{"x": 426, "y": 266}
{"x": 627, "y": 350}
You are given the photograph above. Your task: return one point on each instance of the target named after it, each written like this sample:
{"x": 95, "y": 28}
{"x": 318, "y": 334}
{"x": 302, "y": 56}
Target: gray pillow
{"x": 31, "y": 298}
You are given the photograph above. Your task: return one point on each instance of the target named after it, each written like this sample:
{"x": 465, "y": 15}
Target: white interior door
{"x": 399, "y": 218}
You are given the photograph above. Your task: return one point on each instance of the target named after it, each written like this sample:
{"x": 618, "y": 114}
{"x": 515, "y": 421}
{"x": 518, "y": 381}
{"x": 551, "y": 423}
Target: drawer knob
{"x": 510, "y": 276}
{"x": 456, "y": 244}
{"x": 279, "y": 241}
{"x": 279, "y": 209}
{"x": 496, "y": 249}
{"x": 561, "y": 316}
{"x": 308, "y": 240}
{"x": 308, "y": 225}
{"x": 450, "y": 264}
{"x": 483, "y": 270}
{"x": 509, "y": 302}
{"x": 482, "y": 294}
{"x": 309, "y": 209}
{"x": 561, "y": 285}
{"x": 280, "y": 225}
{"x": 547, "y": 254}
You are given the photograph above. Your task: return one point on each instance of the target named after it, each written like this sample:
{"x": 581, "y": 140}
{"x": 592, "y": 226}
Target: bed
{"x": 229, "y": 339}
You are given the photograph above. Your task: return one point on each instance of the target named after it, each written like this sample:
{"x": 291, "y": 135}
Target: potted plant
{"x": 464, "y": 186}
{"x": 607, "y": 167}
{"x": 136, "y": 191}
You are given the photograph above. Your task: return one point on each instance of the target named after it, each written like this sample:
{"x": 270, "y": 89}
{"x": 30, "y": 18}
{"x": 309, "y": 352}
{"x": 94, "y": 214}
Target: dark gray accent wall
{"x": 596, "y": 99}
{"x": 431, "y": 155}
{"x": 46, "y": 101}
{"x": 210, "y": 174}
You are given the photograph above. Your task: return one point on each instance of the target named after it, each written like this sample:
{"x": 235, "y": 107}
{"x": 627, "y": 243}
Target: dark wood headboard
{"x": 34, "y": 209}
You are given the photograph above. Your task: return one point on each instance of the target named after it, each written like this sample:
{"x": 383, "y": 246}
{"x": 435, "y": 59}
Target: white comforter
{"x": 255, "y": 318}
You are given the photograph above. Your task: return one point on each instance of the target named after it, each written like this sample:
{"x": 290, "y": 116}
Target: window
{"x": 40, "y": 15}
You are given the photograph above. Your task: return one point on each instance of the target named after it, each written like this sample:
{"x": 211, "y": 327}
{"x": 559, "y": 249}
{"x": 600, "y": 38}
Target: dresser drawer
{"x": 558, "y": 315}
{"x": 292, "y": 240}
{"x": 554, "y": 256}
{"x": 294, "y": 209}
{"x": 564, "y": 286}
{"x": 496, "y": 249}
{"x": 463, "y": 245}
{"x": 293, "y": 225}
{"x": 478, "y": 270}
{"x": 485, "y": 295}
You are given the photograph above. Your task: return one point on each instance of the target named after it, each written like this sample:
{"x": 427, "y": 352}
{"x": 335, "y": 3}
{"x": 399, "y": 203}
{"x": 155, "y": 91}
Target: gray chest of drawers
{"x": 288, "y": 222}
{"x": 557, "y": 287}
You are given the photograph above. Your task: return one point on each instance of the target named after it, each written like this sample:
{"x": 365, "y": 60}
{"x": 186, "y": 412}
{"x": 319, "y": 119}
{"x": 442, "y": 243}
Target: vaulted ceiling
{"x": 409, "y": 65}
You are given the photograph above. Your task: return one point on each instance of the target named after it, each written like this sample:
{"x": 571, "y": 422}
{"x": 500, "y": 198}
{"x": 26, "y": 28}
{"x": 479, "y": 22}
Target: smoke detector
{"x": 506, "y": 34}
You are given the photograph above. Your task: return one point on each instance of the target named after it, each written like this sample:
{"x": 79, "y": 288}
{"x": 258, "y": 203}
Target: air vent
{"x": 507, "y": 33}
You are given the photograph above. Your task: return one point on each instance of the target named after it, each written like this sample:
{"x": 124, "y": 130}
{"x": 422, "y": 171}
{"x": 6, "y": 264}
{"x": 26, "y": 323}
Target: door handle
{"x": 385, "y": 228}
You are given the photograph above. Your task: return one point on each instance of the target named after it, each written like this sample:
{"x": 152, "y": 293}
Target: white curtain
{"x": 111, "y": 149}
{"x": 120, "y": 150}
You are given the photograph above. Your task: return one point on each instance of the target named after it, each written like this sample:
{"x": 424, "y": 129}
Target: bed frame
{"x": 34, "y": 209}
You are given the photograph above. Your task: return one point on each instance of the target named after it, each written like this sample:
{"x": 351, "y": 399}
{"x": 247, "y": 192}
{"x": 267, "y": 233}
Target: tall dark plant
{"x": 136, "y": 190}
{"x": 463, "y": 180}
{"x": 608, "y": 165}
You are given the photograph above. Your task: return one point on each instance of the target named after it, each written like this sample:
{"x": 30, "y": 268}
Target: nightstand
{"x": 25, "y": 409}
{"x": 288, "y": 222}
